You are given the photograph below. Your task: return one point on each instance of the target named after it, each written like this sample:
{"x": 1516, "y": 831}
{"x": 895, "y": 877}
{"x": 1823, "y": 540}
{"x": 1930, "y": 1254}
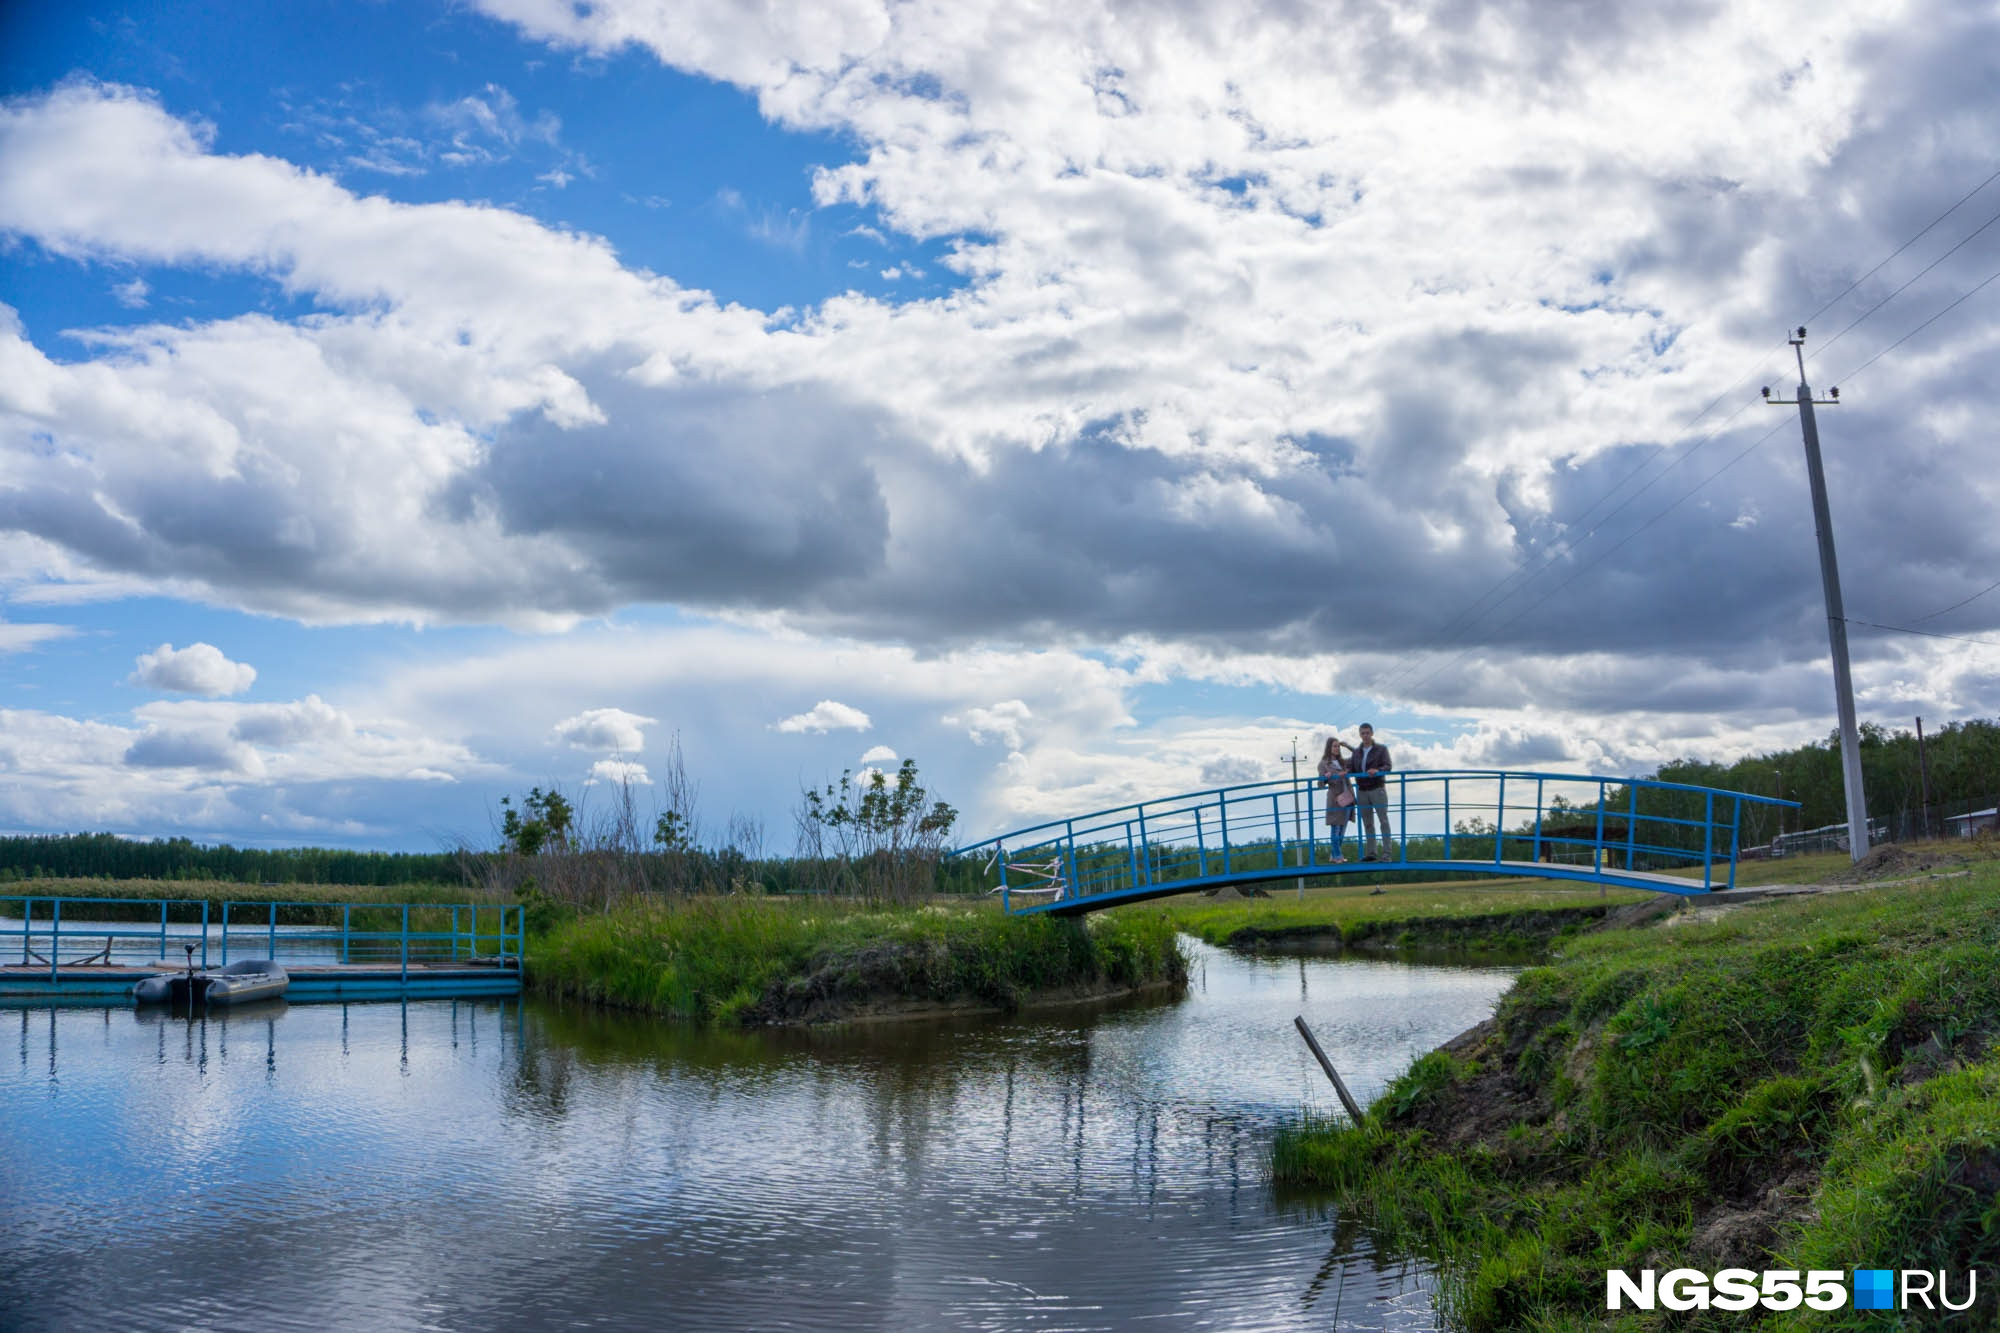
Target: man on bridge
{"x": 1371, "y": 799}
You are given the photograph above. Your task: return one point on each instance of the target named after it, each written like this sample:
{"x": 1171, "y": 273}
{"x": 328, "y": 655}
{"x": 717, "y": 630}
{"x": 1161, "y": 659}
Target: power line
{"x": 1955, "y": 605}
{"x": 1899, "y": 250}
{"x": 1522, "y": 574}
{"x": 1967, "y": 240}
{"x": 1528, "y": 571}
{"x": 1905, "y": 629}
{"x": 1746, "y": 453}
{"x": 1921, "y": 327}
{"x": 1704, "y": 482}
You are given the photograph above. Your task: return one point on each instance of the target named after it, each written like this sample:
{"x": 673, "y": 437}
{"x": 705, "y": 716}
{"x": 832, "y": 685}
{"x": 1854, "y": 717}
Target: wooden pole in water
{"x": 1346, "y": 1097}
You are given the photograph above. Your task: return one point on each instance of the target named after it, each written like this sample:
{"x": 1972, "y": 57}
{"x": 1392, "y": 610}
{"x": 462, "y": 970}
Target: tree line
{"x": 108, "y": 856}
{"x": 1912, "y": 790}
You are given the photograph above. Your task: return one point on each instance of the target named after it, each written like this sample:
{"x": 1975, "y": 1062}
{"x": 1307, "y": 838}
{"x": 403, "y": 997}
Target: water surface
{"x": 496, "y": 1164}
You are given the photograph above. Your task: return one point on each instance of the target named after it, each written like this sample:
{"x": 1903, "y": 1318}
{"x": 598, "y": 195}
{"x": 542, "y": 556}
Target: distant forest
{"x": 108, "y": 856}
{"x": 1963, "y": 759}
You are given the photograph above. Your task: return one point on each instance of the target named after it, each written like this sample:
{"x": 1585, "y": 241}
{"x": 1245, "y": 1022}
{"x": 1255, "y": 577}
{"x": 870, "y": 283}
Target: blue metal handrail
{"x": 477, "y": 930}
{"x": 1238, "y": 834}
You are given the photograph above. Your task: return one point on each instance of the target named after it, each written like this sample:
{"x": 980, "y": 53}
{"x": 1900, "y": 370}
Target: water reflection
{"x": 449, "y": 1164}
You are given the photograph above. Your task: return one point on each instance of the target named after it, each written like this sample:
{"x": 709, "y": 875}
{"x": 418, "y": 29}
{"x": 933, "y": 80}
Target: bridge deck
{"x": 1620, "y": 879}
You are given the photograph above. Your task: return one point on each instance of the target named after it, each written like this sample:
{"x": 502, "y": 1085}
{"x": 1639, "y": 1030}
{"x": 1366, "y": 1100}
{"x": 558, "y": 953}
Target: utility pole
{"x": 1836, "y": 617}
{"x": 1298, "y": 828}
{"x": 1924, "y": 769}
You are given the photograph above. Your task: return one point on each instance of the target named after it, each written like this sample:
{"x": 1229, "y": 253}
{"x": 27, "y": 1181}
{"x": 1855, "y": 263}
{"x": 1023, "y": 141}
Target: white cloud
{"x": 132, "y": 295}
{"x": 159, "y": 748}
{"x": 476, "y": 129}
{"x": 722, "y": 682}
{"x": 1252, "y": 486}
{"x": 1000, "y": 722}
{"x": 880, "y": 754}
{"x": 289, "y": 724}
{"x": 619, "y": 772}
{"x": 604, "y": 729}
{"x": 222, "y": 768}
{"x": 824, "y": 716}
{"x": 1230, "y": 770}
{"x": 788, "y": 231}
{"x": 199, "y": 668}
{"x": 1145, "y": 397}
{"x": 486, "y": 126}
{"x": 19, "y": 638}
{"x": 301, "y": 740}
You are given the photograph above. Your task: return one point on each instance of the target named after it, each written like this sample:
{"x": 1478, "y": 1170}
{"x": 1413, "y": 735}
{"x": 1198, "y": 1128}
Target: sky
{"x": 405, "y": 405}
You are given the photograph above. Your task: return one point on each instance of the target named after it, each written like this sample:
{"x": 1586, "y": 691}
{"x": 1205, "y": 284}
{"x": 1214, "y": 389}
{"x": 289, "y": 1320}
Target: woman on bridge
{"x": 1339, "y": 794}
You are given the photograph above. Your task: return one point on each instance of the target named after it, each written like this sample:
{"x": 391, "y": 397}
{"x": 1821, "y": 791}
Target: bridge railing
{"x": 1271, "y": 830}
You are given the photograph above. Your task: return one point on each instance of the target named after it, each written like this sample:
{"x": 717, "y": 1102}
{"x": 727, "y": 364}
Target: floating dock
{"x": 95, "y": 950}
{"x": 326, "y": 981}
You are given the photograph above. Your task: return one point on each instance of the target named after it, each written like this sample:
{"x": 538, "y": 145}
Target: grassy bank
{"x": 1791, "y": 1083}
{"x": 1506, "y": 917}
{"x": 756, "y": 960}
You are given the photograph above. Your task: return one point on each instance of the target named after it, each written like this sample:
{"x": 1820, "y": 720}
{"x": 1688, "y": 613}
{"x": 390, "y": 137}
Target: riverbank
{"x": 745, "y": 961}
{"x": 1509, "y": 919}
{"x": 1798, "y": 1082}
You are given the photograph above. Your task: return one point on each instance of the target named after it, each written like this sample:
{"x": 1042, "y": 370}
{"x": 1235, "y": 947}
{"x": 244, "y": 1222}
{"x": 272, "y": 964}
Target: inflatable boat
{"x": 239, "y": 983}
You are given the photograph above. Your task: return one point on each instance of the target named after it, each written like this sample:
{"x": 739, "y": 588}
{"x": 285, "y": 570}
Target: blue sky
{"x": 431, "y": 103}
{"x": 405, "y": 404}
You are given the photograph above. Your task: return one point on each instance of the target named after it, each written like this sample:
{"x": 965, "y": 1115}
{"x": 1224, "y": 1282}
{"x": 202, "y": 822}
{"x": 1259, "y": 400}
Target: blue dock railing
{"x": 1607, "y": 830}
{"x": 58, "y": 932}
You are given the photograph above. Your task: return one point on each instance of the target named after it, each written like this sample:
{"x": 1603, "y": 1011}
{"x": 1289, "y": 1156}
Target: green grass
{"x": 746, "y": 960}
{"x": 1505, "y": 914}
{"x": 1797, "y": 1083}
{"x": 1813, "y": 868}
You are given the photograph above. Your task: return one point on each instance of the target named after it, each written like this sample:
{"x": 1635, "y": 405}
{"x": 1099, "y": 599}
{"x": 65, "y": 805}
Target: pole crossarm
{"x": 1632, "y": 832}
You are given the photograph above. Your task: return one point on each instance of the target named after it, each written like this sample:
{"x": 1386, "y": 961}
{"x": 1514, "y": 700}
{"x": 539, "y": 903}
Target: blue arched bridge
{"x": 1629, "y": 832}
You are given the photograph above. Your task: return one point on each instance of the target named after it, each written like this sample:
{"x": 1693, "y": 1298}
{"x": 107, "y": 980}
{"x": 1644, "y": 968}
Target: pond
{"x": 493, "y": 1164}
